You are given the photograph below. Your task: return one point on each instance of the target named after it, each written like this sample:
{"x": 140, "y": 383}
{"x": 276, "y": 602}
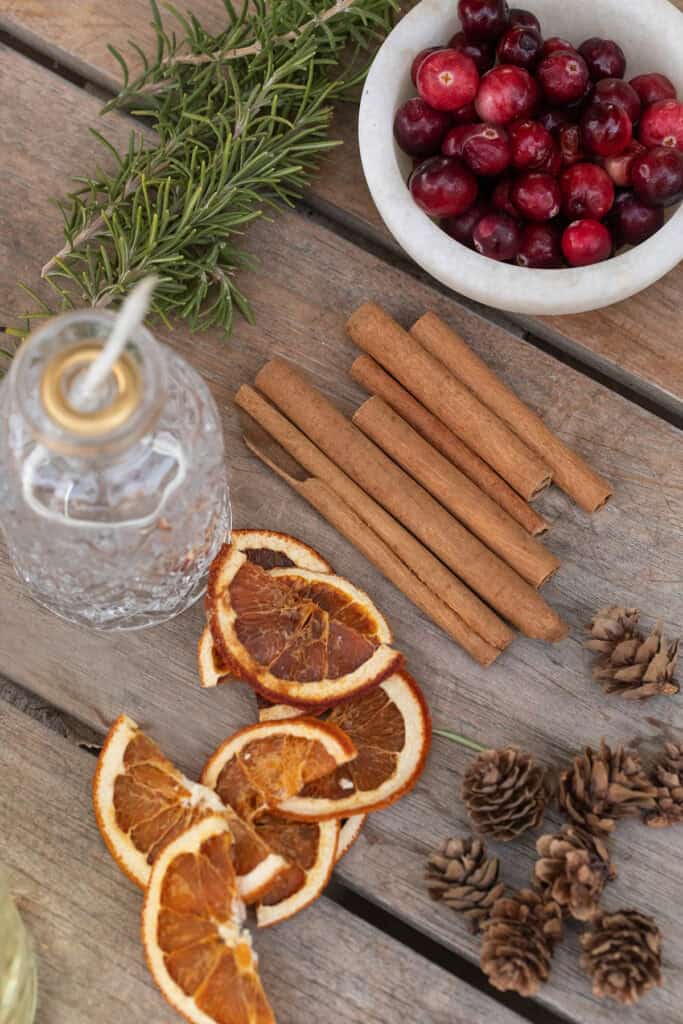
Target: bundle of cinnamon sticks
{"x": 432, "y": 478}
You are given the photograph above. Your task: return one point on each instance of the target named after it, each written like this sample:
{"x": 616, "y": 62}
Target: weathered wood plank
{"x": 540, "y": 697}
{"x": 637, "y": 341}
{"x": 84, "y": 916}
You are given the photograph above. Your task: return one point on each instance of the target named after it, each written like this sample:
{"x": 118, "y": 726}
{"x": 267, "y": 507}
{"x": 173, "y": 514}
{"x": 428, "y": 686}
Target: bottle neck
{"x": 126, "y": 407}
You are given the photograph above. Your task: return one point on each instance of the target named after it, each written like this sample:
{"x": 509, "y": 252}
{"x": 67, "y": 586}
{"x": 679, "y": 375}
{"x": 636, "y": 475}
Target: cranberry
{"x": 500, "y": 198}
{"x": 571, "y": 147}
{"x": 443, "y": 186}
{"x": 619, "y": 92}
{"x": 447, "y": 80}
{"x": 556, "y": 43}
{"x": 454, "y": 142}
{"x": 619, "y": 167}
{"x": 531, "y": 143}
{"x": 585, "y": 242}
{"x": 506, "y": 93}
{"x": 587, "y": 192}
{"x": 553, "y": 118}
{"x": 518, "y": 16}
{"x": 483, "y": 20}
{"x": 463, "y": 115}
{"x": 520, "y": 45}
{"x": 606, "y": 129}
{"x": 657, "y": 176}
{"x": 576, "y": 109}
{"x": 604, "y": 57}
{"x": 633, "y": 221}
{"x": 553, "y": 164}
{"x": 496, "y": 236}
{"x": 540, "y": 247}
{"x": 419, "y": 129}
{"x": 461, "y": 227}
{"x": 652, "y": 88}
{"x": 537, "y": 195}
{"x": 662, "y": 125}
{"x": 418, "y": 60}
{"x": 483, "y": 54}
{"x": 487, "y": 150}
{"x": 563, "y": 76}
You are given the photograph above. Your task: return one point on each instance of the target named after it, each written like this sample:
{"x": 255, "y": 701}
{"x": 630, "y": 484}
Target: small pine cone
{"x": 518, "y": 942}
{"x": 604, "y": 785}
{"x": 460, "y": 874}
{"x": 630, "y": 665}
{"x": 572, "y": 870}
{"x": 505, "y": 792}
{"x": 622, "y": 953}
{"x": 667, "y": 776}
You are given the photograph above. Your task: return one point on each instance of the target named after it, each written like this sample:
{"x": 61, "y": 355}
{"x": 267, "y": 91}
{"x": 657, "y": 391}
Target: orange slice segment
{"x": 310, "y": 848}
{"x": 264, "y": 764}
{"x": 197, "y": 951}
{"x": 391, "y": 728}
{"x": 142, "y": 802}
{"x": 299, "y": 637}
{"x": 269, "y": 550}
{"x": 350, "y": 829}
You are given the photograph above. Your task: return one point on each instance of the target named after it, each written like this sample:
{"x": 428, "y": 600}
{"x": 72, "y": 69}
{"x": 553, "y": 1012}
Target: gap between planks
{"x": 354, "y": 229}
{"x": 87, "y": 739}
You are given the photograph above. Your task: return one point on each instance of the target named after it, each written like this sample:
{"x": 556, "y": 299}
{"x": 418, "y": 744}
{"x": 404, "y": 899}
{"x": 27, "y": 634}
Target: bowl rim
{"x": 515, "y": 289}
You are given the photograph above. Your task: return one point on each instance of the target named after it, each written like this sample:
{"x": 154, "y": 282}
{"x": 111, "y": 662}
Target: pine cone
{"x": 631, "y": 665}
{"x": 460, "y": 874}
{"x": 667, "y": 776}
{"x": 604, "y": 785}
{"x": 505, "y": 792}
{"x": 518, "y": 942}
{"x": 623, "y": 955}
{"x": 572, "y": 870}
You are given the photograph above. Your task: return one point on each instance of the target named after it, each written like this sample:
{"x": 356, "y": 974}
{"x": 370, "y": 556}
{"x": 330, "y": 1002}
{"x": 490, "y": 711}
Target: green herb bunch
{"x": 237, "y": 123}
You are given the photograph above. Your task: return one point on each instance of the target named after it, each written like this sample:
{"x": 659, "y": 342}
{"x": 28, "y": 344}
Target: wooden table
{"x": 374, "y": 948}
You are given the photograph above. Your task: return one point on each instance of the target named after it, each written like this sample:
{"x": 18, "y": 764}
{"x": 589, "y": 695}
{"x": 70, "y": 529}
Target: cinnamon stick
{"x": 478, "y": 619}
{"x": 328, "y": 503}
{"x": 570, "y": 471}
{"x": 374, "y": 379}
{"x": 469, "y": 559}
{"x": 403, "y": 357}
{"x": 456, "y": 492}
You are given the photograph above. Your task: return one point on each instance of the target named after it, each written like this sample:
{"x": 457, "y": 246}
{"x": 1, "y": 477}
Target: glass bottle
{"x": 17, "y": 964}
{"x": 111, "y": 515}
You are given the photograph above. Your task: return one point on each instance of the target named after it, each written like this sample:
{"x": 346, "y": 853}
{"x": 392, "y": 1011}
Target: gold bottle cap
{"x": 58, "y": 377}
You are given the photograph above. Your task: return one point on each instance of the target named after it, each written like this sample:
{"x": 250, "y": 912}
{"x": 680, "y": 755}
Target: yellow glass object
{"x": 17, "y": 964}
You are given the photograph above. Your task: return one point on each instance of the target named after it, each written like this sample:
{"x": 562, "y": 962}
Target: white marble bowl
{"x": 651, "y": 34}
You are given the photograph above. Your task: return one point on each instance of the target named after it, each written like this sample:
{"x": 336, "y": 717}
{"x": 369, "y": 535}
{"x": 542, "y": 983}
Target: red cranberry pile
{"x": 534, "y": 151}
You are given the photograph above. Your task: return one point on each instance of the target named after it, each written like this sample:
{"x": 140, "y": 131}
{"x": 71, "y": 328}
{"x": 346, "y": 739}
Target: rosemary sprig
{"x": 239, "y": 121}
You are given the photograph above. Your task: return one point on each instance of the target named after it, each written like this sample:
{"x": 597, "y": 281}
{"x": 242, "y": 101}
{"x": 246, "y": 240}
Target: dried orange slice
{"x": 350, "y": 829}
{"x": 264, "y": 764}
{"x": 197, "y": 951}
{"x": 391, "y": 728}
{"x": 299, "y": 637}
{"x": 142, "y": 802}
{"x": 310, "y": 849}
{"x": 269, "y": 550}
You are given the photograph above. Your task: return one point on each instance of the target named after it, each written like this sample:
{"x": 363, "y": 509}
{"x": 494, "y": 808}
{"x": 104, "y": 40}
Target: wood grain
{"x": 538, "y": 696}
{"x": 84, "y": 916}
{"x": 636, "y": 342}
